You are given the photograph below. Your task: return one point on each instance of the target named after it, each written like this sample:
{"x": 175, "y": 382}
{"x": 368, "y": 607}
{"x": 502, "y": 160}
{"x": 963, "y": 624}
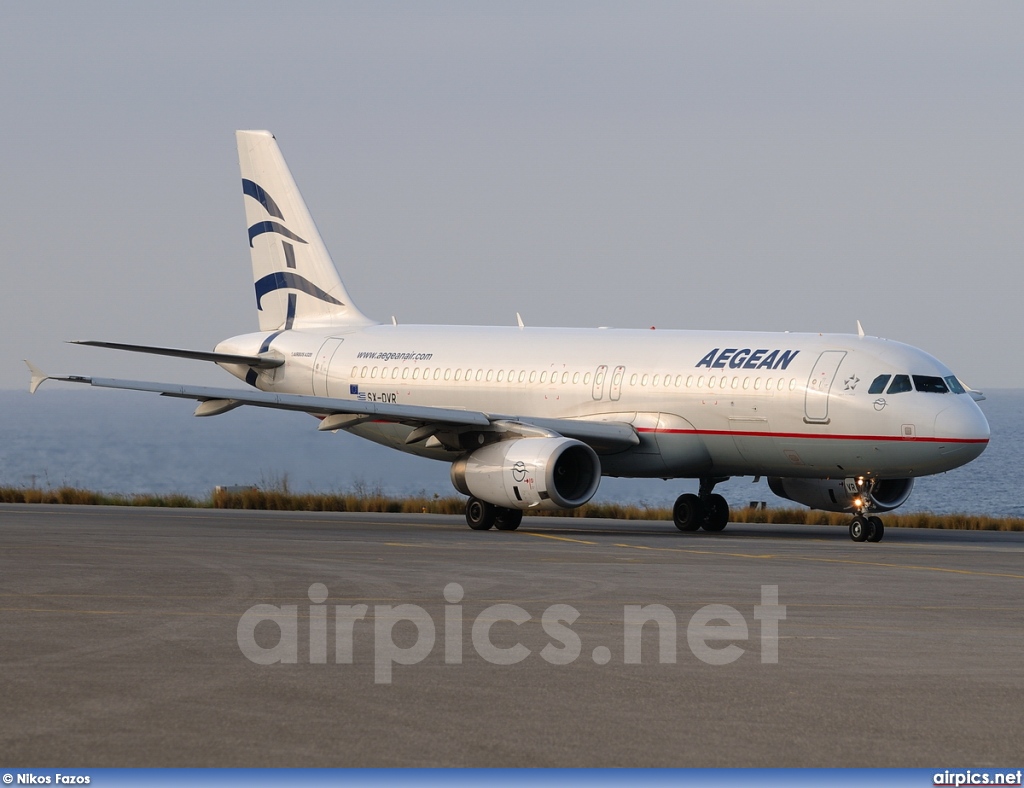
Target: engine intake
{"x": 530, "y": 473}
{"x": 831, "y": 495}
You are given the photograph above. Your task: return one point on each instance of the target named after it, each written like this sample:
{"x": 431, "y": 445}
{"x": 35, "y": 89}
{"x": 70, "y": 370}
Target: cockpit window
{"x": 955, "y": 385}
{"x": 878, "y": 384}
{"x": 930, "y": 385}
{"x": 900, "y": 383}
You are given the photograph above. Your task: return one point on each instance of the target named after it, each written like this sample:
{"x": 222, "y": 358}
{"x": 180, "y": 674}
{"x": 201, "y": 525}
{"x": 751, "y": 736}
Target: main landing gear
{"x": 706, "y": 510}
{"x": 481, "y": 516}
{"x": 866, "y": 529}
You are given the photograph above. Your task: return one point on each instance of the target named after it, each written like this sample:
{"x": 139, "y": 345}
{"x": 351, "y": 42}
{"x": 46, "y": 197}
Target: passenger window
{"x": 878, "y": 384}
{"x": 689, "y": 381}
{"x": 930, "y": 385}
{"x": 363, "y": 373}
{"x": 437, "y": 373}
{"x": 533, "y": 376}
{"x": 632, "y": 379}
{"x": 657, "y": 379}
{"x": 711, "y": 382}
{"x": 522, "y": 376}
{"x": 900, "y": 383}
{"x": 448, "y": 374}
{"x": 416, "y": 373}
{"x": 543, "y": 377}
{"x": 586, "y": 379}
{"x": 565, "y": 377}
{"x": 490, "y": 375}
{"x": 355, "y": 371}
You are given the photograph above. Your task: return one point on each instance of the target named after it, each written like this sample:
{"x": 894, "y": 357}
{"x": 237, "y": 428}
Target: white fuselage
{"x": 704, "y": 403}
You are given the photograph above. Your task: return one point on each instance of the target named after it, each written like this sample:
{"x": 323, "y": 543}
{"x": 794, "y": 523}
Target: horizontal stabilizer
{"x": 258, "y": 362}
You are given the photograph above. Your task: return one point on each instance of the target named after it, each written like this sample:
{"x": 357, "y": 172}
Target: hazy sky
{"x": 762, "y": 165}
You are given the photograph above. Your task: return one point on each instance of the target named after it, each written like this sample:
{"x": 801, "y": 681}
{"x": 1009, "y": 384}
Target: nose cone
{"x": 963, "y": 430}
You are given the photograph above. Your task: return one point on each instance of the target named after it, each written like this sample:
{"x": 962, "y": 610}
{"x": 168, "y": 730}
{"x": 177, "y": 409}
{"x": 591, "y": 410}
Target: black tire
{"x": 717, "y": 515}
{"x": 859, "y": 529}
{"x": 687, "y": 513}
{"x": 876, "y": 530}
{"x": 508, "y": 519}
{"x": 480, "y": 515}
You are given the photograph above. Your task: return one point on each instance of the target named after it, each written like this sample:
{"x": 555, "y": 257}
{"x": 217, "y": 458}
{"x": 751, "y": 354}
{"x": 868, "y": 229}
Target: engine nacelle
{"x": 530, "y": 473}
{"x": 831, "y": 495}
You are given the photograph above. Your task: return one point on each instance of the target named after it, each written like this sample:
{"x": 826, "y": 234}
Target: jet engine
{"x": 530, "y": 473}
{"x": 837, "y": 495}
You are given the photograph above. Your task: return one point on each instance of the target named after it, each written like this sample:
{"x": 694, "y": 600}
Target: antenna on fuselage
{"x": 519, "y": 320}
{"x": 860, "y": 330}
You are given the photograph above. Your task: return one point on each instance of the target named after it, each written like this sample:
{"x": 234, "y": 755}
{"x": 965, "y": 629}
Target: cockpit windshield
{"x": 925, "y": 383}
{"x": 930, "y": 384}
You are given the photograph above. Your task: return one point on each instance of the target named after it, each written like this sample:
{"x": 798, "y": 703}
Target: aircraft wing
{"x": 605, "y": 437}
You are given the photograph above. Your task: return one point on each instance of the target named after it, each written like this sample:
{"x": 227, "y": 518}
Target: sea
{"x": 131, "y": 442}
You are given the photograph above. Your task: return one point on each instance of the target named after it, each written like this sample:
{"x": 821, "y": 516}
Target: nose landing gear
{"x": 864, "y": 527}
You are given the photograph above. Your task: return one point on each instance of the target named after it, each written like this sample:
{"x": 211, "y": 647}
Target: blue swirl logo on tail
{"x": 272, "y": 227}
{"x": 280, "y": 280}
{"x": 257, "y": 192}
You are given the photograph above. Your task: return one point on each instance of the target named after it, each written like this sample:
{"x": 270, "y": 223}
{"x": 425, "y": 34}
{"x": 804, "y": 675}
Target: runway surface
{"x": 121, "y": 643}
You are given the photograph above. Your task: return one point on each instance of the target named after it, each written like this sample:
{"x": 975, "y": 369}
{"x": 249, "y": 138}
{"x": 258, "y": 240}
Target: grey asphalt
{"x": 120, "y": 643}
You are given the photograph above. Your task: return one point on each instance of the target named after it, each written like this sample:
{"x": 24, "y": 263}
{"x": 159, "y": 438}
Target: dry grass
{"x": 73, "y": 495}
{"x": 362, "y": 499}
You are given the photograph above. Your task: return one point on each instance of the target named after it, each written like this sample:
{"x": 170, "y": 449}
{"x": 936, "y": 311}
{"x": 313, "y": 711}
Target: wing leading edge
{"x": 605, "y": 437}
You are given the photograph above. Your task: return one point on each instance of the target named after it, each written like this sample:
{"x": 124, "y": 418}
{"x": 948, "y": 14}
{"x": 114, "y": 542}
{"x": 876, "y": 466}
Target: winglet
{"x": 38, "y": 376}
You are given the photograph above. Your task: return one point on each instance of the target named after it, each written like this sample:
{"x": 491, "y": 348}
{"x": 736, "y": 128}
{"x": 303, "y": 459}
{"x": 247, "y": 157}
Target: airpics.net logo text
{"x": 714, "y": 633}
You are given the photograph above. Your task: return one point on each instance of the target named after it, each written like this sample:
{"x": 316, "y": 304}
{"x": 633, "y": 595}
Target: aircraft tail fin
{"x": 297, "y": 284}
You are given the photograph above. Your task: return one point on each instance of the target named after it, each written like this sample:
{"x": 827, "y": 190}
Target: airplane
{"x": 533, "y": 418}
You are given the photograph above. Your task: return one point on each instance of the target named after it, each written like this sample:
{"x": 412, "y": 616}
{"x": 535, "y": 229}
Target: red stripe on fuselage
{"x": 809, "y": 436}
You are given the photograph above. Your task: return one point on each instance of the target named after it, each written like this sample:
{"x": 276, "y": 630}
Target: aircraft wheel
{"x": 717, "y": 514}
{"x": 859, "y": 528}
{"x": 875, "y": 529}
{"x": 687, "y": 512}
{"x": 508, "y": 519}
{"x": 480, "y": 515}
